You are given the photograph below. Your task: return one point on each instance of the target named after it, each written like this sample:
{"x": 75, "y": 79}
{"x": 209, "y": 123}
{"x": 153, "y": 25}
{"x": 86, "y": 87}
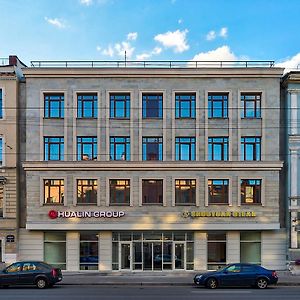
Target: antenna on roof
{"x": 125, "y": 58}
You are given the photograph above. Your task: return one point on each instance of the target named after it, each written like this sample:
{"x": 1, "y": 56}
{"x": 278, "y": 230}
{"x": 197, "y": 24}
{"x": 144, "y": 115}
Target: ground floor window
{"x": 55, "y": 249}
{"x": 153, "y": 251}
{"x": 250, "y": 247}
{"x": 89, "y": 251}
{"x": 216, "y": 250}
{"x": 1, "y": 251}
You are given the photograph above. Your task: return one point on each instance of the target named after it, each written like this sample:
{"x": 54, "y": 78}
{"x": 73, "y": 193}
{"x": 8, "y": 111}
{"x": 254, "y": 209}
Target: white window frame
{"x": 164, "y": 179}
{"x": 3, "y": 103}
{"x": 42, "y": 199}
{"x": 108, "y": 190}
{"x": 75, "y": 190}
{"x": 197, "y": 203}
{"x": 262, "y": 195}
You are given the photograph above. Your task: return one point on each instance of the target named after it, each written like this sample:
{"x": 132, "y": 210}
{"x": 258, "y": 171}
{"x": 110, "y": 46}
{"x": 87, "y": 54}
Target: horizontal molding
{"x": 134, "y": 226}
{"x": 144, "y": 166}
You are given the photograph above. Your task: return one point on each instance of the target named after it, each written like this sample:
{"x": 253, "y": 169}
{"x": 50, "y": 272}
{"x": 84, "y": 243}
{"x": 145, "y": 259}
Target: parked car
{"x": 37, "y": 273}
{"x": 238, "y": 275}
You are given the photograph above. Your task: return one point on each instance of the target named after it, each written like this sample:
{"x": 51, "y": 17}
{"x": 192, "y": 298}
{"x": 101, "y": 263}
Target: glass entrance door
{"x": 125, "y": 256}
{"x": 152, "y": 256}
{"x": 179, "y": 256}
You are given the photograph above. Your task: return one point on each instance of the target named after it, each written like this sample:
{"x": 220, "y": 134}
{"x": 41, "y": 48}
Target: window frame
{"x": 257, "y": 108}
{"x": 192, "y": 148}
{"x": 2, "y": 103}
{"x": 162, "y": 203}
{"x": 243, "y": 149}
{"x": 207, "y": 190}
{"x": 47, "y": 104}
{"x": 146, "y": 100}
{"x": 2, "y": 151}
{"x": 159, "y": 144}
{"x": 95, "y": 189}
{"x": 224, "y": 143}
{"x": 194, "y": 203}
{"x": 80, "y": 145}
{"x": 211, "y": 114}
{"x": 47, "y": 148}
{"x": 179, "y": 101}
{"x": 113, "y": 108}
{"x": 256, "y": 194}
{"x": 113, "y": 145}
{"x": 81, "y": 107}
{"x": 62, "y": 194}
{"x": 128, "y": 192}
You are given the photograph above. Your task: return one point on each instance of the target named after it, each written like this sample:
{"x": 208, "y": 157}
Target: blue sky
{"x": 151, "y": 30}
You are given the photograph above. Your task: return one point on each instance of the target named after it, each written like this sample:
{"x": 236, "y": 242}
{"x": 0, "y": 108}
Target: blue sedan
{"x": 238, "y": 275}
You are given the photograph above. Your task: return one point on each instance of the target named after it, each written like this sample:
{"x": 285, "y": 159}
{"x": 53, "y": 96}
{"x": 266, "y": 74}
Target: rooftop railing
{"x": 151, "y": 64}
{"x": 4, "y": 61}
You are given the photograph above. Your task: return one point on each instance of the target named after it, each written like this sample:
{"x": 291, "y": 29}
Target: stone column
{"x": 72, "y": 249}
{"x": 200, "y": 251}
{"x": 105, "y": 251}
{"x": 293, "y": 195}
{"x": 233, "y": 247}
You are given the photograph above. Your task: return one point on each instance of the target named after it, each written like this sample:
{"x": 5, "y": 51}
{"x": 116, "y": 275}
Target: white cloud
{"x": 223, "y": 32}
{"x": 156, "y": 51}
{"x": 175, "y": 39}
{"x": 56, "y": 22}
{"x": 290, "y": 63}
{"x": 109, "y": 51}
{"x": 220, "y": 54}
{"x": 132, "y": 36}
{"x": 211, "y": 35}
{"x": 122, "y": 47}
{"x": 180, "y": 21}
{"x": 98, "y": 48}
{"x": 147, "y": 55}
{"x": 86, "y": 2}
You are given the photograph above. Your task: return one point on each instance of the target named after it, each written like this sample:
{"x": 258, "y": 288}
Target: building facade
{"x": 10, "y": 75}
{"x": 153, "y": 168}
{"x": 291, "y": 152}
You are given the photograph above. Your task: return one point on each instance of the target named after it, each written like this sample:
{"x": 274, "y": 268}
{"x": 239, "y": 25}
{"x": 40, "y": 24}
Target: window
{"x": 251, "y": 148}
{"x": 53, "y": 105}
{"x": 218, "y": 105}
{"x": 89, "y": 251}
{"x": 1, "y": 151}
{"x": 120, "y": 106}
{"x": 218, "y": 191}
{"x": 53, "y": 191}
{"x": 152, "y": 148}
{"x": 251, "y": 105}
{"x": 16, "y": 267}
{"x": 185, "y": 105}
{"x": 185, "y": 148}
{"x": 54, "y": 148}
{"x": 185, "y": 191}
{"x": 29, "y": 266}
{"x": 234, "y": 269}
{"x": 152, "y": 191}
{"x": 86, "y": 191}
{"x": 87, "y": 105}
{"x": 86, "y": 148}
{"x": 119, "y": 148}
{"x": 1, "y": 200}
{"x": 218, "y": 148}
{"x": 216, "y": 250}
{"x": 1, "y": 104}
{"x": 152, "y": 105}
{"x": 250, "y": 247}
{"x": 251, "y": 191}
{"x": 119, "y": 192}
{"x": 55, "y": 249}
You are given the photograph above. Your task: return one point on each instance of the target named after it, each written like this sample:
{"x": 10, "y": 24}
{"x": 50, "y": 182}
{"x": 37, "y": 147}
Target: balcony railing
{"x": 4, "y": 61}
{"x": 151, "y": 64}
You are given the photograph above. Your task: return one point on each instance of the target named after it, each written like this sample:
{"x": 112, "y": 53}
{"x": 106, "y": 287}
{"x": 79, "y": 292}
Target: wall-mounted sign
{"x": 53, "y": 214}
{"x": 219, "y": 214}
{"x": 10, "y": 238}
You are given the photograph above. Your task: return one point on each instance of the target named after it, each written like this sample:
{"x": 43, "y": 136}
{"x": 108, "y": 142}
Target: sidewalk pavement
{"x": 151, "y": 278}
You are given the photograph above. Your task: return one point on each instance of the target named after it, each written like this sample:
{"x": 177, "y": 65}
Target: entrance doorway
{"x": 179, "y": 257}
{"x": 125, "y": 255}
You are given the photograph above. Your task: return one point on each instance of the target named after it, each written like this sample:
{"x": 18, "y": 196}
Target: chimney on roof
{"x": 13, "y": 60}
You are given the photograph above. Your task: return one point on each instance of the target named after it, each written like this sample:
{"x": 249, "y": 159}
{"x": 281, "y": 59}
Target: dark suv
{"x": 38, "y": 273}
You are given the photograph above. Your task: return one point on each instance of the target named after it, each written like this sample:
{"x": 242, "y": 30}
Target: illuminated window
{"x": 119, "y": 191}
{"x": 185, "y": 191}
{"x": 53, "y": 191}
{"x": 86, "y": 191}
{"x": 251, "y": 191}
{"x": 218, "y": 191}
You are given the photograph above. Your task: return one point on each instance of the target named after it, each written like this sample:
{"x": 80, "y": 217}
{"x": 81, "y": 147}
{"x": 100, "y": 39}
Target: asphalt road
{"x": 145, "y": 292}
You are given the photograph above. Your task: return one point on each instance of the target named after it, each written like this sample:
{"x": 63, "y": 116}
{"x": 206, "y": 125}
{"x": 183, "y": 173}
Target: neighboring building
{"x": 9, "y": 148}
{"x": 291, "y": 154}
{"x": 152, "y": 168}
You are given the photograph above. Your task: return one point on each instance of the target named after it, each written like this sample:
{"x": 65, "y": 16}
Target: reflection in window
{"x": 218, "y": 148}
{"x": 53, "y": 105}
{"x": 217, "y": 105}
{"x": 251, "y": 105}
{"x": 250, "y": 247}
{"x": 251, "y": 191}
{"x": 1, "y": 104}
{"x": 87, "y": 105}
{"x": 89, "y": 251}
{"x": 218, "y": 191}
{"x": 119, "y": 148}
{"x": 1, "y": 203}
{"x": 251, "y": 148}
{"x": 152, "y": 105}
{"x": 185, "y": 191}
{"x": 119, "y": 191}
{"x": 86, "y": 148}
{"x": 185, "y": 105}
{"x": 14, "y": 268}
{"x": 1, "y": 151}
{"x": 185, "y": 148}
{"x": 152, "y": 148}
{"x": 86, "y": 191}
{"x": 119, "y": 106}
{"x": 152, "y": 191}
{"x": 53, "y": 191}
{"x": 216, "y": 250}
{"x": 54, "y": 148}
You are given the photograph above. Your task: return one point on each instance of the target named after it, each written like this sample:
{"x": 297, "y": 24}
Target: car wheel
{"x": 212, "y": 283}
{"x": 41, "y": 283}
{"x": 261, "y": 283}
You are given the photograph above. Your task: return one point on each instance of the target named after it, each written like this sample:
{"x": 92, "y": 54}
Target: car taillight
{"x": 274, "y": 274}
{"x": 54, "y": 273}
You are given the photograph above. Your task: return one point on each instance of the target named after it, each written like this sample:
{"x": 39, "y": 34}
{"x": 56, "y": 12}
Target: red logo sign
{"x": 52, "y": 214}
